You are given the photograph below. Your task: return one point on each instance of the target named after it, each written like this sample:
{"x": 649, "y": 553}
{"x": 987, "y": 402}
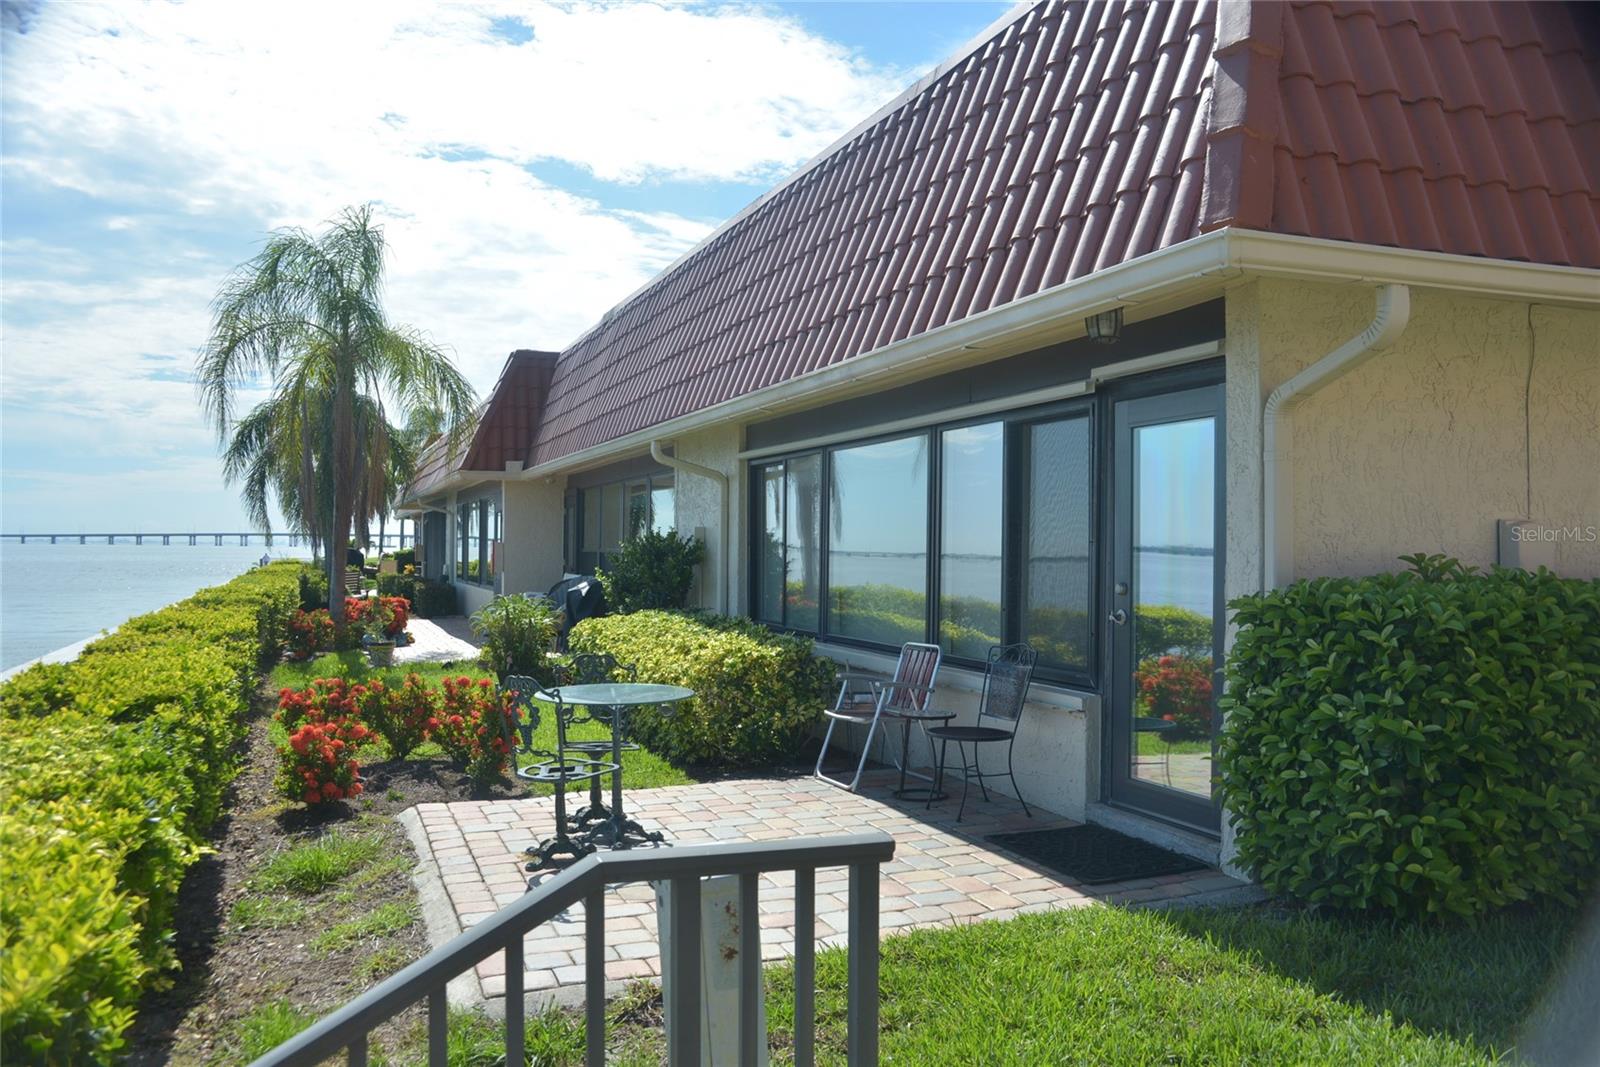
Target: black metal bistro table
{"x": 619, "y": 699}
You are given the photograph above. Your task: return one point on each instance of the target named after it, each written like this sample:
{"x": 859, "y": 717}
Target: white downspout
{"x": 1277, "y": 504}
{"x": 722, "y": 483}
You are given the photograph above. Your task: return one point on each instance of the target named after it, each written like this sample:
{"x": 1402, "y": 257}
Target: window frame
{"x": 476, "y": 548}
{"x": 929, "y": 435}
{"x": 577, "y": 523}
{"x": 1015, "y": 500}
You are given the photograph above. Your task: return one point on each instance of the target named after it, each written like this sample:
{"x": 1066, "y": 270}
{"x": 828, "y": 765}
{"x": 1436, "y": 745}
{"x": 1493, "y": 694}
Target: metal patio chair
{"x": 867, "y": 699}
{"x": 1006, "y": 678}
{"x": 559, "y": 769}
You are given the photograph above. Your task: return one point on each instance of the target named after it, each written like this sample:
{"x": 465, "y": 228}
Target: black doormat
{"x": 1094, "y": 855}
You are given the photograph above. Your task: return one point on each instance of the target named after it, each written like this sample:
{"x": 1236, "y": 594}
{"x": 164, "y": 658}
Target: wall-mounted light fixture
{"x": 1105, "y": 327}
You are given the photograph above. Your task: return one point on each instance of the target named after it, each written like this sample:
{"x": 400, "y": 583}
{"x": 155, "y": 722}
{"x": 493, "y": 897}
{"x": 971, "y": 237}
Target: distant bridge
{"x": 295, "y": 540}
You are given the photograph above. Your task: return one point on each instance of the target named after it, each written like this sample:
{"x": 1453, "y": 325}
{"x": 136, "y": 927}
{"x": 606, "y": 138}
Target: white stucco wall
{"x": 699, "y": 503}
{"x": 531, "y": 554}
{"x": 1481, "y": 410}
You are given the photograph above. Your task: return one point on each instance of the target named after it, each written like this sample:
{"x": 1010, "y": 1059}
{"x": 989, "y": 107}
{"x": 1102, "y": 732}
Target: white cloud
{"x": 173, "y": 117}
{"x": 287, "y": 112}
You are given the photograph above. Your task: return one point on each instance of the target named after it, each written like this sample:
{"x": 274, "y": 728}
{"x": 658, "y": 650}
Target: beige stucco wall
{"x": 1425, "y": 446}
{"x": 532, "y": 550}
{"x": 699, "y": 503}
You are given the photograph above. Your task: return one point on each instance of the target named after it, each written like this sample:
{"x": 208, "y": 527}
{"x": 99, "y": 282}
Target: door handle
{"x": 1119, "y": 617}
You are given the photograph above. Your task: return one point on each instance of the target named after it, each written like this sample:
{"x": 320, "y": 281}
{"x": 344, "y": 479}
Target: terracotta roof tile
{"x": 1082, "y": 135}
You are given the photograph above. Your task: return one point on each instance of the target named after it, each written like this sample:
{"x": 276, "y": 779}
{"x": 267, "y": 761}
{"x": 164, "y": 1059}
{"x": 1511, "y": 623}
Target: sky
{"x": 532, "y": 165}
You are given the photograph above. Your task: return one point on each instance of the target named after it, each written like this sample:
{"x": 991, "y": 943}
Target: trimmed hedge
{"x": 758, "y": 694}
{"x": 401, "y": 585}
{"x": 1417, "y": 743}
{"x": 114, "y": 768}
{"x": 432, "y": 599}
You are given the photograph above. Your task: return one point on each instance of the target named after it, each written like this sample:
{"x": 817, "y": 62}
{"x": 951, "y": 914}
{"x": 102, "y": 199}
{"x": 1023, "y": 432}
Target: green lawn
{"x": 1110, "y": 986}
{"x": 641, "y": 769}
{"x": 1104, "y": 985}
{"x": 1155, "y": 745}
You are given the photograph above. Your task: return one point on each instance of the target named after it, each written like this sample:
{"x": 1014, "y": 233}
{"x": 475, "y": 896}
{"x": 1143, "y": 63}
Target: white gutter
{"x": 1192, "y": 270}
{"x": 721, "y": 479}
{"x": 1277, "y": 504}
{"x": 1200, "y": 262}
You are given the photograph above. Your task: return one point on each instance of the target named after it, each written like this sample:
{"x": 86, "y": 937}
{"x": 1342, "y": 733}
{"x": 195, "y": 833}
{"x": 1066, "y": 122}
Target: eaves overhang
{"x": 1198, "y": 269}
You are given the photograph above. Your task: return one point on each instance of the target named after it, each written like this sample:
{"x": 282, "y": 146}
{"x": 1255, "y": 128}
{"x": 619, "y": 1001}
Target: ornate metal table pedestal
{"x": 562, "y": 849}
{"x": 596, "y": 825}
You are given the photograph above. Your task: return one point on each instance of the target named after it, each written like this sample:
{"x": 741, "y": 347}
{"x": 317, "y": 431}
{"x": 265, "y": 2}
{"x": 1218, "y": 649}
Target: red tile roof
{"x": 1463, "y": 127}
{"x": 1082, "y": 135}
{"x": 507, "y": 426}
{"x": 507, "y": 422}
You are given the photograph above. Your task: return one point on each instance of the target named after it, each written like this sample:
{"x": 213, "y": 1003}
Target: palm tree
{"x": 282, "y": 450}
{"x": 307, "y": 311}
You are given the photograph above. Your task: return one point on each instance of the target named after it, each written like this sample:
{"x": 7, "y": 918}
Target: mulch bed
{"x": 227, "y": 973}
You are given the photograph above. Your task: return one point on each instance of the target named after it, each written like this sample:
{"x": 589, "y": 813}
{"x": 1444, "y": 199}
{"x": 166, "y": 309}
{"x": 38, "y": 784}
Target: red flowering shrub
{"x": 324, "y": 699}
{"x": 1178, "y": 689}
{"x": 318, "y": 765}
{"x": 310, "y": 632}
{"x": 403, "y": 717}
{"x": 397, "y": 607}
{"x": 473, "y": 720}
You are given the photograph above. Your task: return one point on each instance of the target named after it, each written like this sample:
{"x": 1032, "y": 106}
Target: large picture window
{"x": 788, "y": 548}
{"x": 478, "y": 536}
{"x": 492, "y": 536}
{"x": 607, "y": 515}
{"x": 970, "y": 535}
{"x": 878, "y": 551}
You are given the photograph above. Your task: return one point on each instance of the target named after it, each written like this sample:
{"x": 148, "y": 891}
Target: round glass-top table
{"x": 617, "y": 694}
{"x": 619, "y": 698}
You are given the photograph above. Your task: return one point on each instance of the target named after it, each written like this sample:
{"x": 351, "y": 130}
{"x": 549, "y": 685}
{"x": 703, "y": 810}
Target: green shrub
{"x": 1419, "y": 743}
{"x": 518, "y": 634}
{"x": 757, "y": 694}
{"x": 313, "y": 587}
{"x": 405, "y": 557}
{"x": 73, "y": 967}
{"x": 401, "y": 585}
{"x": 653, "y": 570}
{"x": 1165, "y": 628}
{"x": 433, "y": 599}
{"x": 115, "y": 767}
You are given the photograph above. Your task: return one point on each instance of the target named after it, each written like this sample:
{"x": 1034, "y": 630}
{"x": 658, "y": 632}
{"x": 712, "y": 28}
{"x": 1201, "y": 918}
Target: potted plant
{"x": 377, "y": 639}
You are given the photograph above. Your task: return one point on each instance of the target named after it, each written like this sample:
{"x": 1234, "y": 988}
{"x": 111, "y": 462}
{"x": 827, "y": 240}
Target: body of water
{"x": 1164, "y": 577}
{"x": 52, "y": 596}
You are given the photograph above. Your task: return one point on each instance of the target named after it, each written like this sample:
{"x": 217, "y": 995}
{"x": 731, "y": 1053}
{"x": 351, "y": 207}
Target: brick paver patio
{"x": 438, "y": 640}
{"x": 943, "y": 872}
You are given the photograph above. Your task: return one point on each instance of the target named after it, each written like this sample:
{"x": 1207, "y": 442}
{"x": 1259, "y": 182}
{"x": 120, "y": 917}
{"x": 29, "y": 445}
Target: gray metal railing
{"x": 585, "y": 882}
